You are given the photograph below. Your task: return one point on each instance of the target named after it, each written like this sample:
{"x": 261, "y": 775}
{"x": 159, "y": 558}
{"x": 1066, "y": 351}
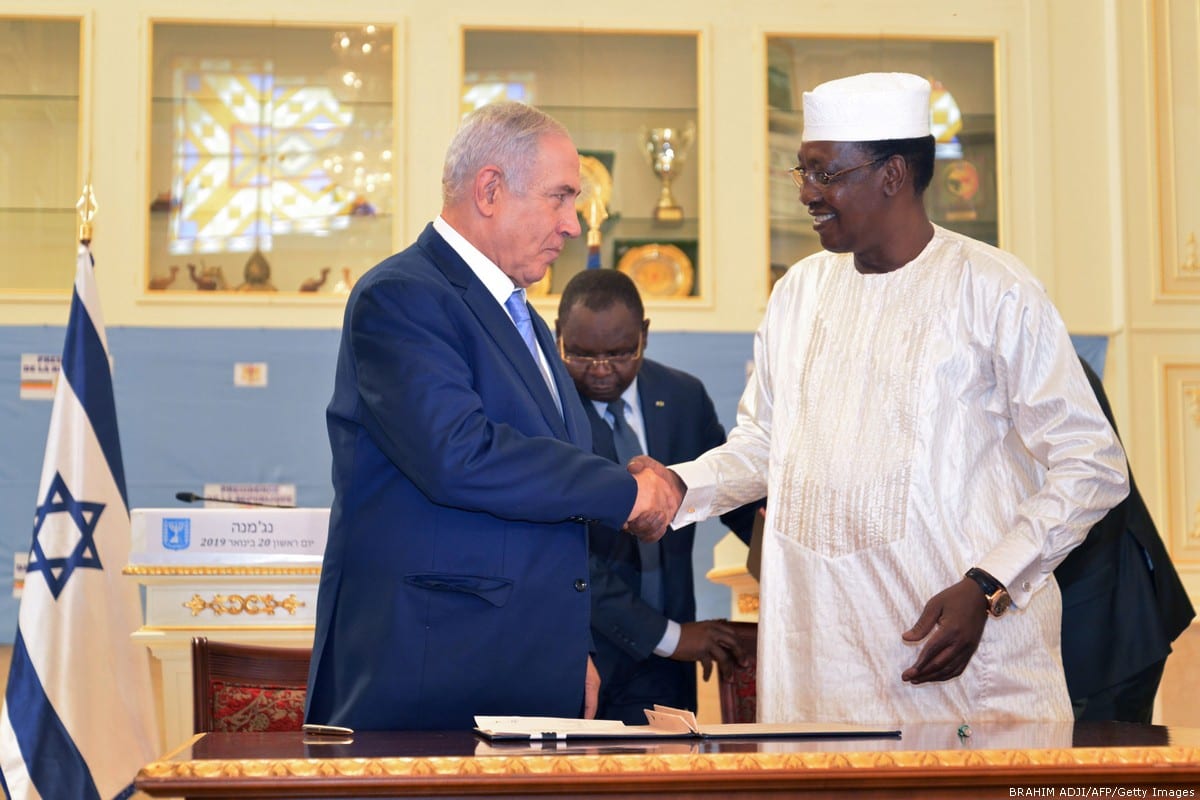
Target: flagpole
{"x": 86, "y": 205}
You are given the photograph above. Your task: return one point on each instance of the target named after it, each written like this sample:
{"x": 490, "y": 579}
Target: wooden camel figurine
{"x": 313, "y": 284}
{"x": 157, "y": 284}
{"x": 203, "y": 282}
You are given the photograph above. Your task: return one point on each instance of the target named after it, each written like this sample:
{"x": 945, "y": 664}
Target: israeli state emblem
{"x": 176, "y": 533}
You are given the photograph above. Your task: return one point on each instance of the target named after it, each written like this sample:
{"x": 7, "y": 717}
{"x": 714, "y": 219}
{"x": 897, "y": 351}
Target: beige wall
{"x": 1177, "y": 704}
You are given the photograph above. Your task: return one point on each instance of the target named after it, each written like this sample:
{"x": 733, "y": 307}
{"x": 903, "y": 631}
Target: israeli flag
{"x": 78, "y": 717}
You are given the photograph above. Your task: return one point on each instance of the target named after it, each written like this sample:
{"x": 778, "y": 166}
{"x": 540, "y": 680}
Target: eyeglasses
{"x": 588, "y": 362}
{"x": 800, "y": 175}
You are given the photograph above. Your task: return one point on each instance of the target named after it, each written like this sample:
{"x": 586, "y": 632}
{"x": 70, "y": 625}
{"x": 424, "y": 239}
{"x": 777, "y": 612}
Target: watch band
{"x": 998, "y": 599}
{"x": 986, "y": 582}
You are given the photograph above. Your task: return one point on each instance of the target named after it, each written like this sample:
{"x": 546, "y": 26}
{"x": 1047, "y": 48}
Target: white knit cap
{"x": 867, "y": 108}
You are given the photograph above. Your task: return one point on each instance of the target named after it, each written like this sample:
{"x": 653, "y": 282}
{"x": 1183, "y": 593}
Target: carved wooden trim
{"x": 1096, "y": 761}
{"x": 747, "y": 603}
{"x": 250, "y": 604}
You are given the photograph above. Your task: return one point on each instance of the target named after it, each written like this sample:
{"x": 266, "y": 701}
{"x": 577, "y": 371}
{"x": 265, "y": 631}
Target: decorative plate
{"x": 593, "y": 177}
{"x": 659, "y": 270}
{"x": 542, "y": 287}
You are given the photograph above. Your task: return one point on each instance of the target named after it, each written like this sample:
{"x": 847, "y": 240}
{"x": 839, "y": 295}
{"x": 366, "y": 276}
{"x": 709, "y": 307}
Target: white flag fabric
{"x": 78, "y": 716}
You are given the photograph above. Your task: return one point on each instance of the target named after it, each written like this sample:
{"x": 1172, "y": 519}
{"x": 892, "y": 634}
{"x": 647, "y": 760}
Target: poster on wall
{"x": 20, "y": 563}
{"x": 39, "y": 375}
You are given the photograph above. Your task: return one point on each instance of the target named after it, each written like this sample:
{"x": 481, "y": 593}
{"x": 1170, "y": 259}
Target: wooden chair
{"x": 238, "y": 687}
{"x": 739, "y": 697}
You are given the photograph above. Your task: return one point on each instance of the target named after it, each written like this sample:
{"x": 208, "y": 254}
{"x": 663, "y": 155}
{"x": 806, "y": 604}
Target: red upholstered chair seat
{"x": 242, "y": 687}
{"x": 237, "y": 707}
{"x": 739, "y": 696}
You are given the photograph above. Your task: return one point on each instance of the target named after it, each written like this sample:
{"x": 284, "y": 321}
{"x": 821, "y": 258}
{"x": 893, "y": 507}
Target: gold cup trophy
{"x": 666, "y": 149}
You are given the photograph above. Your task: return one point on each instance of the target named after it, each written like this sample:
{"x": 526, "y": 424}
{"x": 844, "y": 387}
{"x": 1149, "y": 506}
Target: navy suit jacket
{"x": 1123, "y": 601}
{"x": 455, "y": 576}
{"x": 680, "y": 424}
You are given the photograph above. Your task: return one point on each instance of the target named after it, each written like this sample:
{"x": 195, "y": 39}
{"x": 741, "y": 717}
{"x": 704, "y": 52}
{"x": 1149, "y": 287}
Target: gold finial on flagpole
{"x": 86, "y": 206}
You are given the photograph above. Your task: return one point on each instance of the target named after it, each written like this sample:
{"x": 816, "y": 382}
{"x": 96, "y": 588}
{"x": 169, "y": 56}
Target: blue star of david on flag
{"x": 85, "y": 515}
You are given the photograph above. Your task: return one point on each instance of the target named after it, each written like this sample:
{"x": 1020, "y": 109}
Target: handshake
{"x": 660, "y": 493}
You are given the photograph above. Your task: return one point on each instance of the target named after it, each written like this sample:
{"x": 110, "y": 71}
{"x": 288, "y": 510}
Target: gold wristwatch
{"x": 997, "y": 596}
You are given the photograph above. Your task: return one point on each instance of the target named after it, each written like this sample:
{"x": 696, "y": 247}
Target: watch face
{"x": 1000, "y": 603}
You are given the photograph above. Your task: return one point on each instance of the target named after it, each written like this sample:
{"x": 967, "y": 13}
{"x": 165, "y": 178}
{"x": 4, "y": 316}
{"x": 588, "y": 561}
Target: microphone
{"x": 191, "y": 497}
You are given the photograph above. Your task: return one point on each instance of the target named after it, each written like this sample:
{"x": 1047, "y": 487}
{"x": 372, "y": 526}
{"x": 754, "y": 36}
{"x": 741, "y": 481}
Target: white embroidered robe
{"x": 906, "y": 427}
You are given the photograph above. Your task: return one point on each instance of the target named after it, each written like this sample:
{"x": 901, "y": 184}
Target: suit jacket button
{"x": 580, "y": 585}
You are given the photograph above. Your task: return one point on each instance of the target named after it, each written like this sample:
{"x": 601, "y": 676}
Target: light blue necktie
{"x": 520, "y": 314}
{"x": 626, "y": 443}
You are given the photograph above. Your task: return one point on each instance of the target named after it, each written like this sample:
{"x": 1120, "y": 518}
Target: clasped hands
{"x": 660, "y": 493}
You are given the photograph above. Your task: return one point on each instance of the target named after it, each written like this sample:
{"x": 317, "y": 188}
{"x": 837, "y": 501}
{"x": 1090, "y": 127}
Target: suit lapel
{"x": 495, "y": 321}
{"x": 576, "y": 424}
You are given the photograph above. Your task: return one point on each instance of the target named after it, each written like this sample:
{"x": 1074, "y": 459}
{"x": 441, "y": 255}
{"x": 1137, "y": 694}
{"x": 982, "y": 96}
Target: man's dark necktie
{"x": 626, "y": 443}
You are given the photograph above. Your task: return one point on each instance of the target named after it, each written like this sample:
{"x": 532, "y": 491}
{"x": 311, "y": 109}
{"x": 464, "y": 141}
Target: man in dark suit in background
{"x": 1123, "y": 605}
{"x": 455, "y": 579}
{"x": 643, "y": 598}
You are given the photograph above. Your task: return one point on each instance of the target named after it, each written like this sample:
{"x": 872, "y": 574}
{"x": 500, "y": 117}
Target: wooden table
{"x": 1047, "y": 760}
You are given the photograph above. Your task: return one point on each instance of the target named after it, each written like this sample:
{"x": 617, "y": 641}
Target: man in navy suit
{"x": 1123, "y": 604}
{"x": 647, "y": 639}
{"x": 455, "y": 579}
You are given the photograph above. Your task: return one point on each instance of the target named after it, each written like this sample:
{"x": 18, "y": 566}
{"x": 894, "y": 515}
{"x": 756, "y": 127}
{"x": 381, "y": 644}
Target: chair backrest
{"x": 238, "y": 687}
{"x": 739, "y": 697}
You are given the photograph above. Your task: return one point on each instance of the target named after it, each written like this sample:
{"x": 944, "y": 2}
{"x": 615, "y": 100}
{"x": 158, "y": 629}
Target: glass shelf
{"x": 963, "y": 194}
{"x": 621, "y": 235}
{"x": 610, "y": 90}
{"x": 272, "y": 162}
{"x": 334, "y": 261}
{"x": 39, "y": 98}
{"x": 39, "y": 249}
{"x": 39, "y": 154}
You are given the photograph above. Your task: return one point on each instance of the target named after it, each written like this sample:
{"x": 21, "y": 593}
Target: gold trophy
{"x": 595, "y": 182}
{"x": 666, "y": 149}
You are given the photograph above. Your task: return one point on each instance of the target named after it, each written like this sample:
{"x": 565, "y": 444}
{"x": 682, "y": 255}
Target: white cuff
{"x": 670, "y": 640}
{"x": 697, "y": 503}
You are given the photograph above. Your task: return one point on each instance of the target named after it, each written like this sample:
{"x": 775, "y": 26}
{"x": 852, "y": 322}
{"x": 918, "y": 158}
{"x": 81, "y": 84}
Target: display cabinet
{"x": 39, "y": 154}
{"x": 271, "y": 163}
{"x": 963, "y": 195}
{"x": 631, "y": 103}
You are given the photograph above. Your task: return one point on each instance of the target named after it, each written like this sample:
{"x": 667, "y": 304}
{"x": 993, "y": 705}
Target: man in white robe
{"x": 916, "y": 412}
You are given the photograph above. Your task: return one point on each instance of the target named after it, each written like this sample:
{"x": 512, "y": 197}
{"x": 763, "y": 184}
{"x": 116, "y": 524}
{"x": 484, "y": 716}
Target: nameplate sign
{"x": 228, "y": 535}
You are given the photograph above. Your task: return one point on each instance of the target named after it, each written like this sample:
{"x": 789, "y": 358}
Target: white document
{"x": 663, "y": 722}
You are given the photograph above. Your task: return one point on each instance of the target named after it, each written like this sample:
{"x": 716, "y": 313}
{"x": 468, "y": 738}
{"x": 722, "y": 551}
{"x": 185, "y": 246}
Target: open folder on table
{"x": 663, "y": 722}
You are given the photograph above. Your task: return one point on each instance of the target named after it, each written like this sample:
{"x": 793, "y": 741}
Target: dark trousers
{"x": 1131, "y": 700}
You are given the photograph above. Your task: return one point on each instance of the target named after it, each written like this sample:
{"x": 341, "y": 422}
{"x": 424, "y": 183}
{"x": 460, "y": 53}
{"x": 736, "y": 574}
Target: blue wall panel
{"x": 183, "y": 423}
